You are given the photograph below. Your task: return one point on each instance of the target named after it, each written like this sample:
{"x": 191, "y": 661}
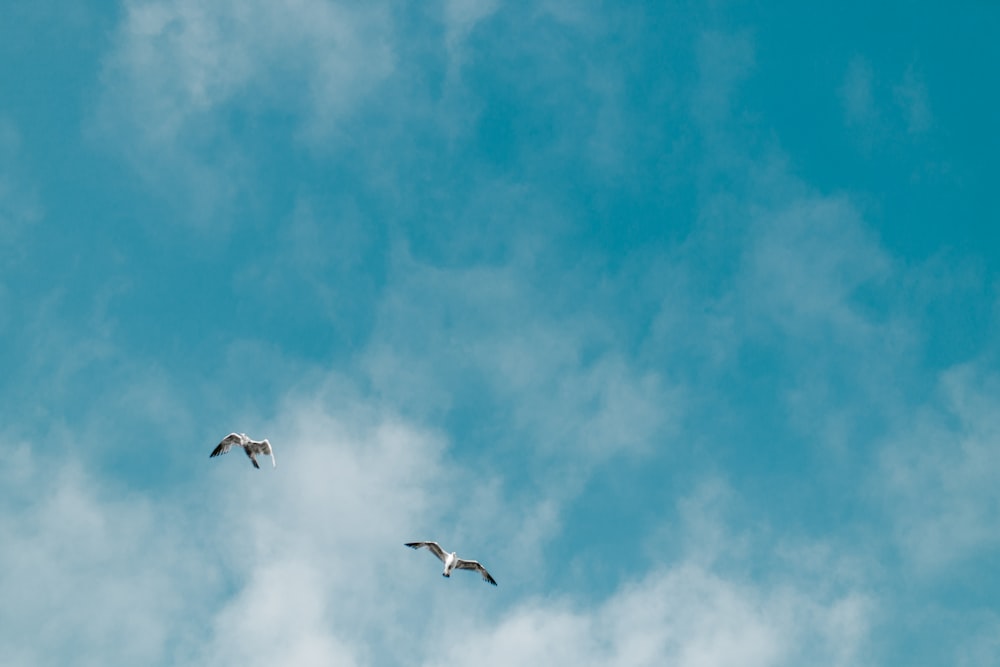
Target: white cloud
{"x": 983, "y": 648}
{"x": 791, "y": 285}
{"x": 176, "y": 59}
{"x": 911, "y": 96}
{"x": 58, "y": 353}
{"x": 286, "y": 614}
{"x": 724, "y": 61}
{"x": 304, "y": 562}
{"x": 865, "y": 99}
{"x": 806, "y": 264}
{"x": 803, "y": 602}
{"x": 94, "y": 575}
{"x": 857, "y": 93}
{"x": 683, "y": 615}
{"x": 939, "y": 474}
{"x": 19, "y": 210}
{"x": 555, "y": 376}
{"x": 327, "y": 254}
{"x": 318, "y": 544}
{"x": 461, "y": 17}
{"x": 19, "y": 203}
{"x": 179, "y": 70}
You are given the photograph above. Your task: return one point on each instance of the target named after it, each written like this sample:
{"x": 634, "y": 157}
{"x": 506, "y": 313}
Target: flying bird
{"x": 453, "y": 562}
{"x": 251, "y": 447}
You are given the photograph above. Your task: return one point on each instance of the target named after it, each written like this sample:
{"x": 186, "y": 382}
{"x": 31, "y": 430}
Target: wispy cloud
{"x": 20, "y": 209}
{"x": 940, "y": 471}
{"x": 857, "y": 93}
{"x": 519, "y": 342}
{"x": 724, "y": 60}
{"x": 460, "y": 18}
{"x": 880, "y": 113}
{"x": 19, "y": 203}
{"x": 179, "y": 71}
{"x": 807, "y": 264}
{"x": 528, "y": 278}
{"x": 911, "y": 96}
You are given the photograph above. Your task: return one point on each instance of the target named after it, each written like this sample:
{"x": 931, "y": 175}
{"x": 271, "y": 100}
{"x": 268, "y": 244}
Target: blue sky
{"x": 681, "y": 317}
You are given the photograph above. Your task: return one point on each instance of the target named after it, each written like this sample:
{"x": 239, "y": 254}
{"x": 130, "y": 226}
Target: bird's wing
{"x": 252, "y": 456}
{"x": 226, "y": 444}
{"x": 434, "y": 547}
{"x": 475, "y": 565}
{"x": 263, "y": 447}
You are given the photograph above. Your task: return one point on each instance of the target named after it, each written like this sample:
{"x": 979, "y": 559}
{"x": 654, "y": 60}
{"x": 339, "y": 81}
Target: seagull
{"x": 251, "y": 447}
{"x": 453, "y": 562}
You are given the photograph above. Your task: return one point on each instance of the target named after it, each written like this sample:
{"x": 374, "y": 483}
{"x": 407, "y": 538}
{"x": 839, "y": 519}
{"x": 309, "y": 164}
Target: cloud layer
{"x": 559, "y": 285}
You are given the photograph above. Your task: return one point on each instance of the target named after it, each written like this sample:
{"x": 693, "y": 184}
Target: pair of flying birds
{"x": 253, "y": 448}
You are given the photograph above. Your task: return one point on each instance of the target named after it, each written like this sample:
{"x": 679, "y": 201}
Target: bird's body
{"x": 452, "y": 561}
{"x": 251, "y": 447}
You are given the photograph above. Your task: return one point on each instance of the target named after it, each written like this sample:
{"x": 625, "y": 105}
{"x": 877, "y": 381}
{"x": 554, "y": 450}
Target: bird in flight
{"x": 453, "y": 562}
{"x": 251, "y": 447}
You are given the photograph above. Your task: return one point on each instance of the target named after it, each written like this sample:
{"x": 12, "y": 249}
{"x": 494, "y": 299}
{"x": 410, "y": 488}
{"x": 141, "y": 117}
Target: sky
{"x": 681, "y": 317}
